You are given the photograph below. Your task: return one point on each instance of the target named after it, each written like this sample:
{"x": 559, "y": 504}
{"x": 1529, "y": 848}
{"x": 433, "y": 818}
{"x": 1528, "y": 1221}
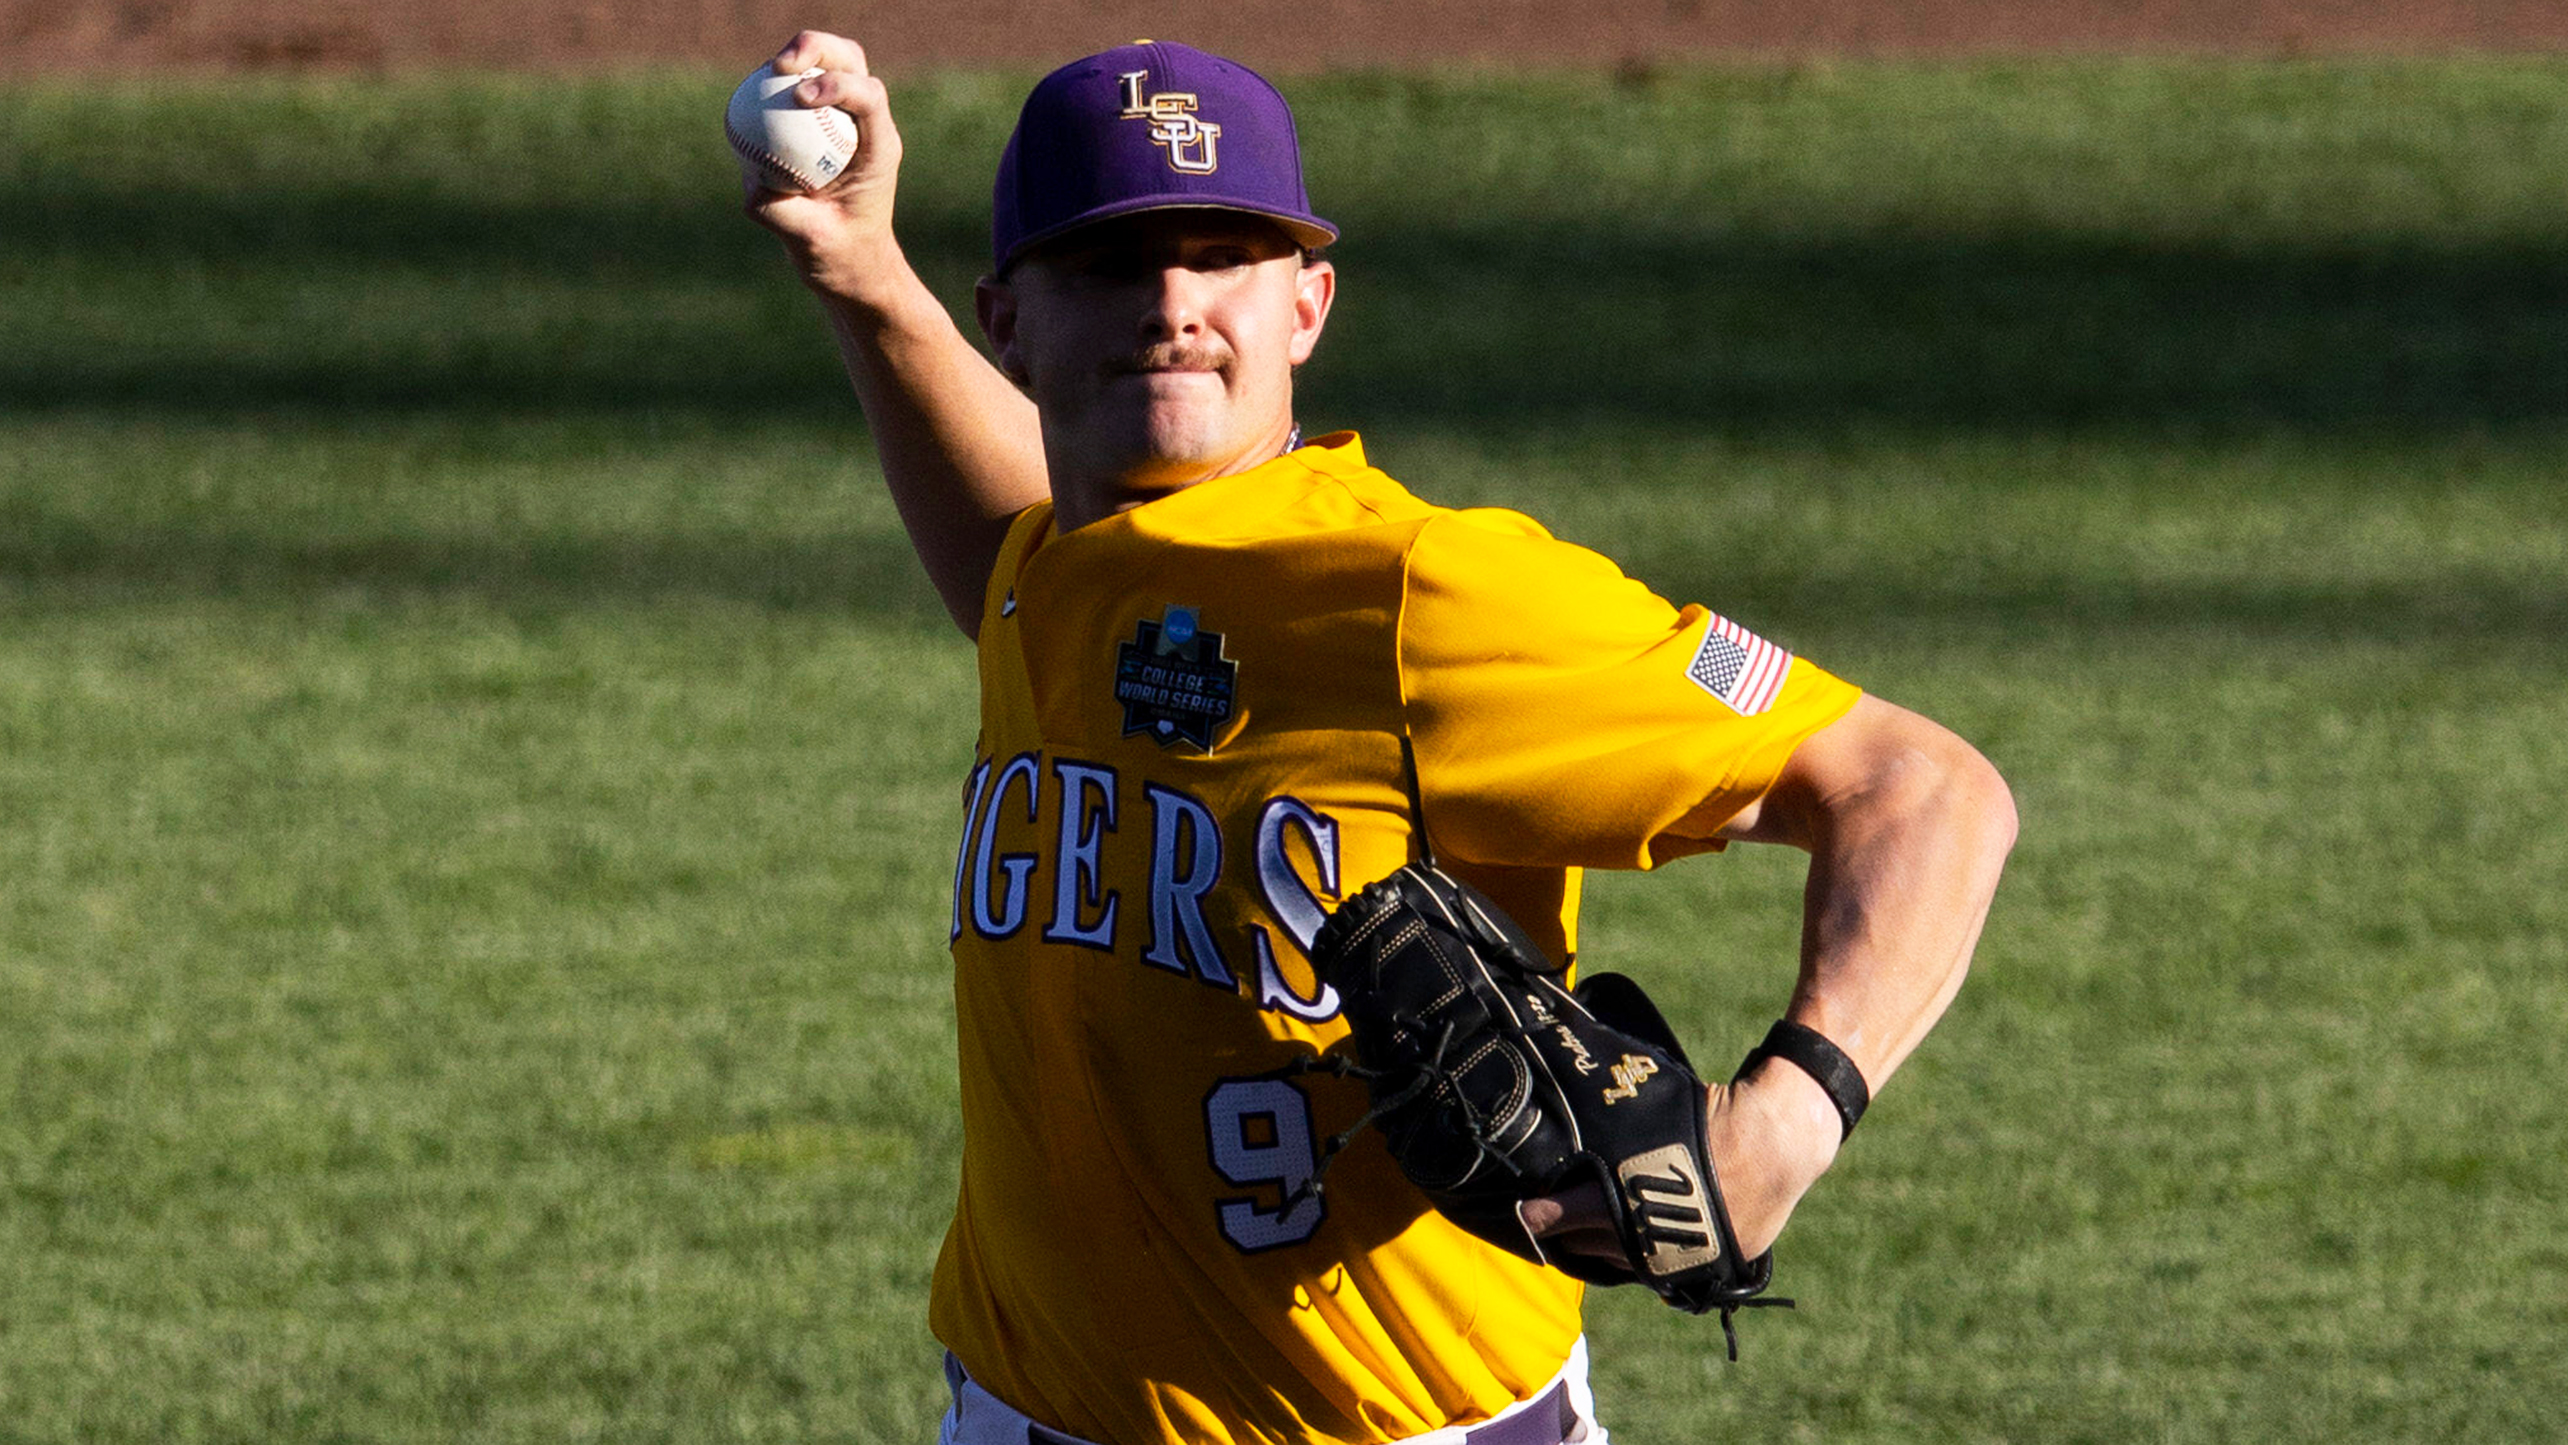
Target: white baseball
{"x": 781, "y": 145}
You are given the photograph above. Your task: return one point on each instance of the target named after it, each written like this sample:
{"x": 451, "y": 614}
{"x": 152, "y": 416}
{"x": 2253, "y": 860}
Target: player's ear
{"x": 1314, "y": 290}
{"x": 994, "y": 302}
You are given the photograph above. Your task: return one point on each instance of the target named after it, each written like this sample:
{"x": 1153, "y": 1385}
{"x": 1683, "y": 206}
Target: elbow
{"x": 1990, "y": 804}
{"x": 1896, "y": 777}
{"x": 1977, "y": 810}
{"x": 1943, "y": 782}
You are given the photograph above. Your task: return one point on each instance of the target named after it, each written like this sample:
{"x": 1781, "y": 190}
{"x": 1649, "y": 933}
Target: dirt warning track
{"x": 1287, "y": 35}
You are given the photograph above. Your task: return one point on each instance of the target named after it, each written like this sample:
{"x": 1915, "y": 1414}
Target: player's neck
{"x": 1091, "y": 492}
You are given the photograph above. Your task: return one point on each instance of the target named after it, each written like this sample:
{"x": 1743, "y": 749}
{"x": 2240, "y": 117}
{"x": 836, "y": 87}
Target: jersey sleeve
{"x": 1566, "y": 716}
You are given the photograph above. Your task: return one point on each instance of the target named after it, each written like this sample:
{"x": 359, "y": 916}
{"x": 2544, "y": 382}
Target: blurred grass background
{"x": 478, "y": 767}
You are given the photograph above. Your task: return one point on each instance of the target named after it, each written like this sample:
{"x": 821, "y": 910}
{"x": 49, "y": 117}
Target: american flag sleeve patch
{"x": 1739, "y": 667}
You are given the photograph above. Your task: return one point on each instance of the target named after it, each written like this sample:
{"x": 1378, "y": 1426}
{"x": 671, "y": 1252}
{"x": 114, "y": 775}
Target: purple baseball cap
{"x": 1146, "y": 127}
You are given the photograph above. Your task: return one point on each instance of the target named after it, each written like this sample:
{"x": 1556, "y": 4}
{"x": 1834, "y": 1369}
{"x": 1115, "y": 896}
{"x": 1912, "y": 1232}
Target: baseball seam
{"x": 774, "y": 163}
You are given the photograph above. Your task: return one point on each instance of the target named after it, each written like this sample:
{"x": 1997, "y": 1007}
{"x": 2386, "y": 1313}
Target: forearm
{"x": 1907, "y": 828}
{"x": 960, "y": 448}
{"x": 959, "y": 445}
{"x": 1901, "y": 876}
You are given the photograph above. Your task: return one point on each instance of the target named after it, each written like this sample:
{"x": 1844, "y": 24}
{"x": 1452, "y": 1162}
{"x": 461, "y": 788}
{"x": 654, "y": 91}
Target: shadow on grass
{"x": 62, "y": 560}
{"x": 1467, "y": 325}
{"x": 1503, "y": 333}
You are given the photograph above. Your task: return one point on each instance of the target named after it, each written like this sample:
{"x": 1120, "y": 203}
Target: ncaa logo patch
{"x": 1740, "y": 668}
{"x": 1173, "y": 681}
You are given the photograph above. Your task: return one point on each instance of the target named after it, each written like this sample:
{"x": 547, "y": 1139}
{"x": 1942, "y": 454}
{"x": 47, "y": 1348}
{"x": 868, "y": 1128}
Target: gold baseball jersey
{"x": 1191, "y": 716}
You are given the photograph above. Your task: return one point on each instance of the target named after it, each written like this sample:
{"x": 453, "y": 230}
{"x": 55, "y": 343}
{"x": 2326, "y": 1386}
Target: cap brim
{"x": 1309, "y": 232}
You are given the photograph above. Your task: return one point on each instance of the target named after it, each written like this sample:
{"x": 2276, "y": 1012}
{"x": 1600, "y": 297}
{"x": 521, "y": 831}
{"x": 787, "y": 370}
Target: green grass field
{"x": 478, "y": 770}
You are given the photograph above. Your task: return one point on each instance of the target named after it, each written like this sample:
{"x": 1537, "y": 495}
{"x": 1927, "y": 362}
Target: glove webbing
{"x": 1429, "y": 1075}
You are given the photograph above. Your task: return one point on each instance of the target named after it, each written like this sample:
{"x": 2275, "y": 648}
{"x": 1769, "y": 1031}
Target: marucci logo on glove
{"x": 1738, "y": 667}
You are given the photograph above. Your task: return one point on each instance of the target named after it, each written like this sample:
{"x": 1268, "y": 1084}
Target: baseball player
{"x": 1228, "y": 676}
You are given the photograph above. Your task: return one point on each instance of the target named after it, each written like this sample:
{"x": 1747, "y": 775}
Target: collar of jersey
{"x": 1209, "y": 507}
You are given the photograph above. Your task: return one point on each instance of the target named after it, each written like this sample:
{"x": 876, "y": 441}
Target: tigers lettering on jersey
{"x": 1079, "y": 914}
{"x": 1065, "y": 812}
{"x": 1292, "y": 903}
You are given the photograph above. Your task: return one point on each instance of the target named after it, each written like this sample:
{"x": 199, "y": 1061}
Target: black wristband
{"x": 1821, "y": 1060}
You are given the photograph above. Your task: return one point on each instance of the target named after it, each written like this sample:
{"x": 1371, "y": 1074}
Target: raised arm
{"x": 959, "y": 444}
{"x": 1906, "y": 826}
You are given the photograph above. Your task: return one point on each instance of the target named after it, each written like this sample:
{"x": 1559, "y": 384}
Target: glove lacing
{"x": 1425, "y": 1076}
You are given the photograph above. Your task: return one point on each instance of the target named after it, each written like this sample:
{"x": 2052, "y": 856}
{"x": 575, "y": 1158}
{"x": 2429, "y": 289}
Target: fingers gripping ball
{"x": 782, "y": 145}
{"x": 1494, "y": 1085}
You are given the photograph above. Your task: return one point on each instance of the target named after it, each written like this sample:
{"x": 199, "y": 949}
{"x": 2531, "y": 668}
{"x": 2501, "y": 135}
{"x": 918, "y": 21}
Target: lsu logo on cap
{"x": 1174, "y": 126}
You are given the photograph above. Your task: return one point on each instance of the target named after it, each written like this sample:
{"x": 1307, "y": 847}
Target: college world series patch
{"x": 1739, "y": 667}
{"x": 1173, "y": 681}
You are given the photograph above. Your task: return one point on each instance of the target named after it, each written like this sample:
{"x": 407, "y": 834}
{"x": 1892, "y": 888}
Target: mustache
{"x": 1174, "y": 356}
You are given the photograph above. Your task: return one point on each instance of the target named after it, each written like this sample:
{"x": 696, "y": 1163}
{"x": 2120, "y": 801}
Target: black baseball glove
{"x": 1494, "y": 1085}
